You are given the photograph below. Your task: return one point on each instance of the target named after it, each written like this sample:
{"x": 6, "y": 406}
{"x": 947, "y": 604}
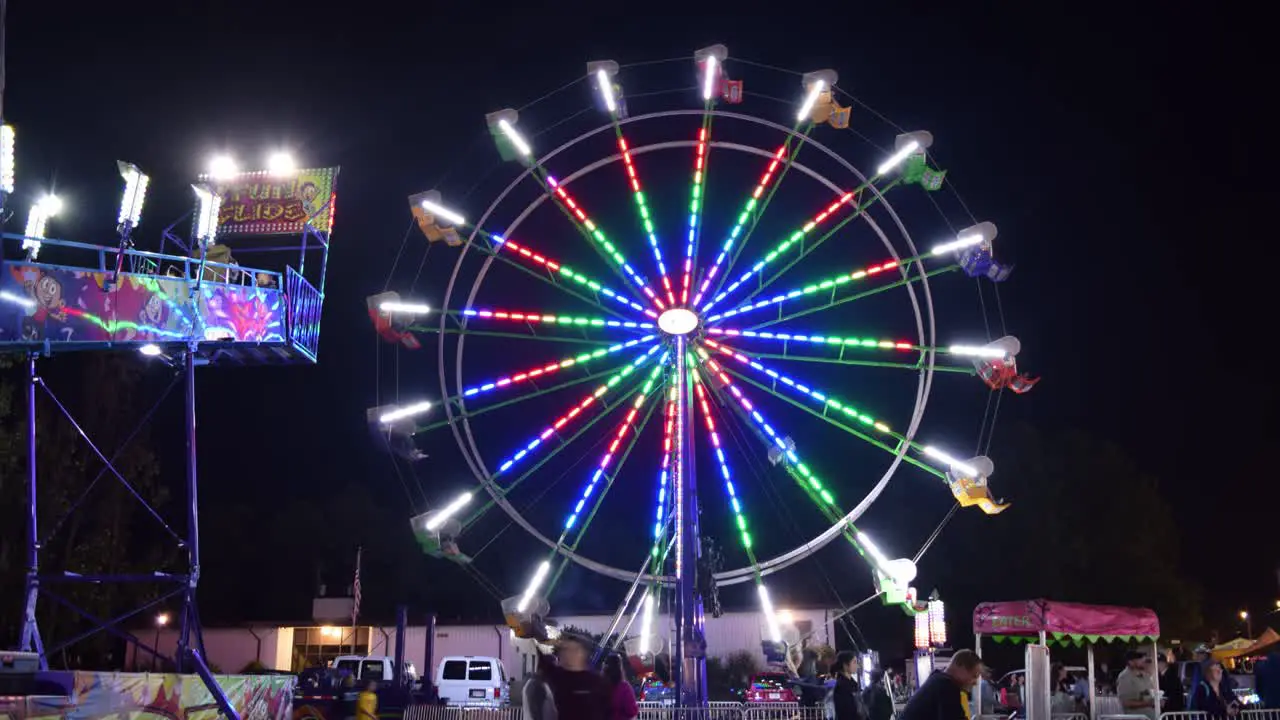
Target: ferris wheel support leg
{"x": 689, "y": 663}
{"x": 31, "y": 641}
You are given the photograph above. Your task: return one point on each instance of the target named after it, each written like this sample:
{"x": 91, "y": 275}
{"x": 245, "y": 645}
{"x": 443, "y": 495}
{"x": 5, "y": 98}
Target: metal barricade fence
{"x": 1070, "y": 716}
{"x": 462, "y": 712}
{"x": 782, "y": 711}
{"x": 648, "y": 711}
{"x": 1269, "y": 714}
{"x": 1186, "y": 715}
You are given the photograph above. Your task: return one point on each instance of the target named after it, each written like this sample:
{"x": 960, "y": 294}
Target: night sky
{"x": 1121, "y": 155}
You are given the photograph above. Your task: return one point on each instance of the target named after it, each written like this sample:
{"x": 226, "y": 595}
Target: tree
{"x": 1086, "y": 525}
{"x": 108, "y": 533}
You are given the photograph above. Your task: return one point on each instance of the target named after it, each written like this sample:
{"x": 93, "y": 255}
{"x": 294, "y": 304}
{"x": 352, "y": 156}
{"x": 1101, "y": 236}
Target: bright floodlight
{"x": 222, "y": 167}
{"x": 815, "y": 89}
{"x": 678, "y": 321}
{"x": 281, "y": 163}
{"x": 52, "y": 205}
{"x": 977, "y": 351}
{"x": 517, "y": 140}
{"x": 981, "y": 234}
{"x": 135, "y": 192}
{"x": 37, "y": 220}
{"x": 162, "y": 619}
{"x": 711, "y": 59}
{"x": 950, "y": 461}
{"x": 770, "y": 617}
{"x": 902, "y": 570}
{"x": 9, "y": 297}
{"x": 7, "y": 170}
{"x": 538, "y": 576}
{"x": 435, "y": 208}
{"x": 449, "y": 511}
{"x": 814, "y": 83}
{"x": 150, "y": 350}
{"x": 606, "y": 90}
{"x": 206, "y": 225}
{"x": 401, "y": 413}
{"x": 393, "y": 306}
{"x": 646, "y": 621}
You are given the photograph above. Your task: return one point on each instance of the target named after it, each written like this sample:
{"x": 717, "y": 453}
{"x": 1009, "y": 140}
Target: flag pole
{"x": 355, "y": 599}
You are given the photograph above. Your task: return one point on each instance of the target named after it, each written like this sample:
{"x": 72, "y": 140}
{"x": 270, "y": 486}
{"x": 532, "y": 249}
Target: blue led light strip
{"x": 576, "y": 410}
{"x": 542, "y": 370}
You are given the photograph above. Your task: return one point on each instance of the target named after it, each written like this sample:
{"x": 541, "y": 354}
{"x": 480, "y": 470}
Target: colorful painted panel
{"x": 147, "y": 696}
{"x": 260, "y": 203}
{"x": 69, "y": 305}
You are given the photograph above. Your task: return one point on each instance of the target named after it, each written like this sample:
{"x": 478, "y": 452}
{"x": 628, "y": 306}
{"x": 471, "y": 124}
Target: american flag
{"x": 355, "y": 589}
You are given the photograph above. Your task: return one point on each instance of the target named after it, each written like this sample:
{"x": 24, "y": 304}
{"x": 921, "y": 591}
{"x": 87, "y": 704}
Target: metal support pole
{"x": 30, "y": 630}
{"x": 402, "y": 620}
{"x": 190, "y": 623}
{"x": 689, "y": 663}
{"x": 188, "y": 656}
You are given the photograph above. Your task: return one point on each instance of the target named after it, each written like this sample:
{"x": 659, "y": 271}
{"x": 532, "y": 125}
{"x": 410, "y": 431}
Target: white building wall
{"x": 230, "y": 649}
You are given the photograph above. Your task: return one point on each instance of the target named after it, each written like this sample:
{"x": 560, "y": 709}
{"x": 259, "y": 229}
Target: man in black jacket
{"x": 941, "y": 697}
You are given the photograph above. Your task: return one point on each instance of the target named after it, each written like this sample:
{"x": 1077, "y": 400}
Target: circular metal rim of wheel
{"x": 459, "y": 422}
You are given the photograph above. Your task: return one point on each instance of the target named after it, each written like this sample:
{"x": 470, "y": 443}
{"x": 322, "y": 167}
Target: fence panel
{"x": 461, "y": 712}
{"x": 1270, "y": 714}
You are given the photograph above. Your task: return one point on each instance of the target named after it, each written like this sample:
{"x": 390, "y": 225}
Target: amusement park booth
{"x": 1044, "y": 622}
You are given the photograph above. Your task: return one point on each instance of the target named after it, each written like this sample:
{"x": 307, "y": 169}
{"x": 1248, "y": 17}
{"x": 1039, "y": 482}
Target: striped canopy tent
{"x": 1048, "y": 622}
{"x": 1063, "y": 622}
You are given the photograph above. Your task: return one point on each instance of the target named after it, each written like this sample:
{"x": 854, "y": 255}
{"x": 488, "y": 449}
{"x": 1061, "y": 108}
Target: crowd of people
{"x": 566, "y": 687}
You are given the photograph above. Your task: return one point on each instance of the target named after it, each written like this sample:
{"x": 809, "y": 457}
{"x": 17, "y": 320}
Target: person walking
{"x": 622, "y": 695}
{"x": 1213, "y": 697}
{"x": 847, "y": 696}
{"x": 878, "y": 699}
{"x": 1133, "y": 686}
{"x": 537, "y": 700}
{"x": 942, "y": 695}
{"x": 367, "y": 702}
{"x": 579, "y": 692}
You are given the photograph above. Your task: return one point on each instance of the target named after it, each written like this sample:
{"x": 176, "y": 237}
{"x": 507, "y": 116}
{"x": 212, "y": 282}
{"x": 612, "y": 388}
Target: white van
{"x": 472, "y": 680}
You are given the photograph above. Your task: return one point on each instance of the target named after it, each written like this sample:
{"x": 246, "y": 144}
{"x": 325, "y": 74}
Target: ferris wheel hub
{"x": 678, "y": 321}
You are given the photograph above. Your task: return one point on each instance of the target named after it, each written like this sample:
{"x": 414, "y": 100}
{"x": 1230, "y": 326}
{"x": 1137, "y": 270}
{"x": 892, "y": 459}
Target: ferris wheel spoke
{"x": 435, "y": 330}
{"x": 558, "y": 274}
{"x": 532, "y": 374}
{"x": 606, "y": 470}
{"x": 597, "y": 238}
{"x": 800, "y": 237}
{"x": 662, "y": 516}
{"x": 547, "y": 320}
{"x": 799, "y": 471}
{"x": 608, "y": 404}
{"x": 695, "y": 203}
{"x": 574, "y": 412}
{"x": 535, "y": 392}
{"x": 754, "y": 209}
{"x": 827, "y": 402}
{"x": 843, "y": 344}
{"x": 731, "y": 492}
{"x": 807, "y": 248}
{"x": 602, "y": 471}
{"x": 837, "y": 300}
{"x": 642, "y": 208}
{"x": 754, "y": 418}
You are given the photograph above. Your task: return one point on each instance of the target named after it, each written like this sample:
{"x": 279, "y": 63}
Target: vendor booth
{"x": 1045, "y": 622}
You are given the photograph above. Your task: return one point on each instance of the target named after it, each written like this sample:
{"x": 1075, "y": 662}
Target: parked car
{"x": 770, "y": 688}
{"x": 472, "y": 680}
{"x": 653, "y": 690}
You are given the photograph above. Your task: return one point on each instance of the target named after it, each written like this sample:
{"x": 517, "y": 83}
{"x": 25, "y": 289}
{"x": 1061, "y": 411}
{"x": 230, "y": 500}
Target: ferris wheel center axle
{"x": 678, "y": 321}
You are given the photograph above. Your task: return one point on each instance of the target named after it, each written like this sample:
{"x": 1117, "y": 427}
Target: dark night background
{"x": 1121, "y": 154}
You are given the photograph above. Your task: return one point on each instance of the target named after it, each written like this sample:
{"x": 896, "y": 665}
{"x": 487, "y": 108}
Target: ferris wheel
{"x": 720, "y": 320}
